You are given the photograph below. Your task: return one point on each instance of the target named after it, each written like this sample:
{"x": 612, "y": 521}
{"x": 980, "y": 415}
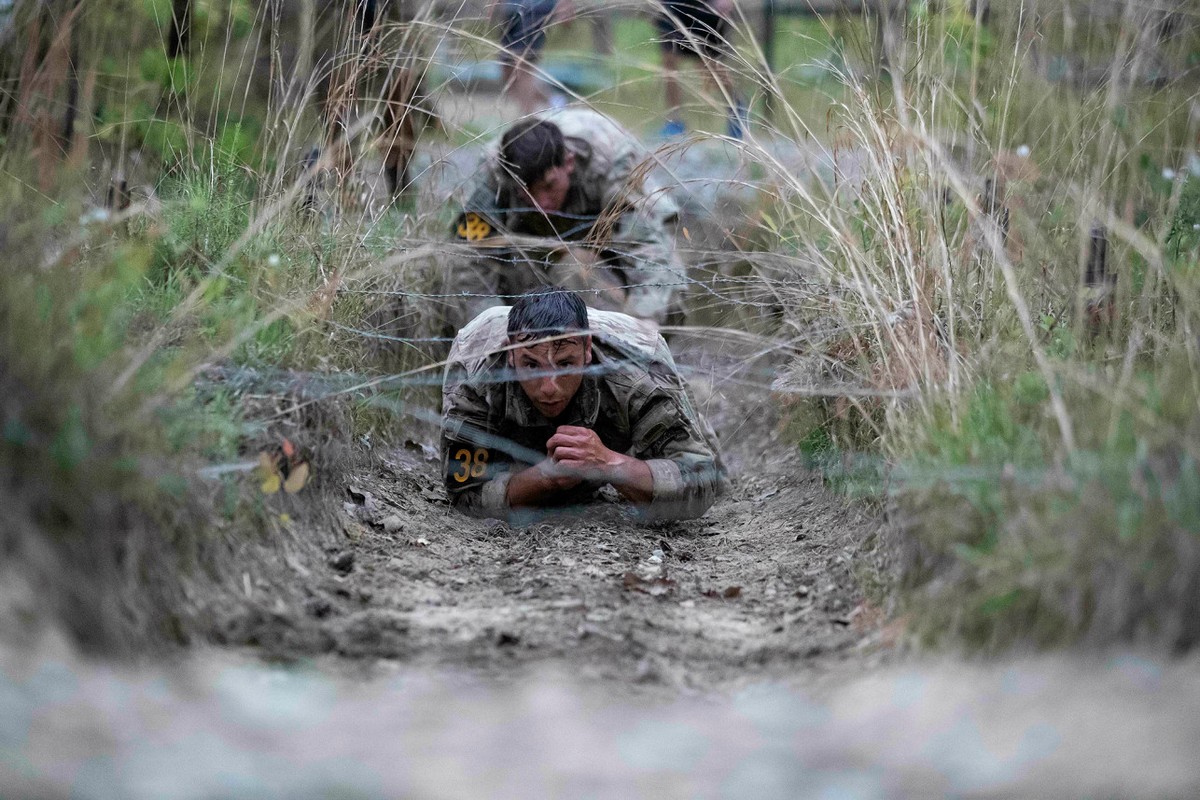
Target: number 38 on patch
{"x": 473, "y": 227}
{"x": 470, "y": 464}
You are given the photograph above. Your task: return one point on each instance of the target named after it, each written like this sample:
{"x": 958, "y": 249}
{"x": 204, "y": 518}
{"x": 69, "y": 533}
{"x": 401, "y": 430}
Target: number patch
{"x": 473, "y": 227}
{"x": 470, "y": 464}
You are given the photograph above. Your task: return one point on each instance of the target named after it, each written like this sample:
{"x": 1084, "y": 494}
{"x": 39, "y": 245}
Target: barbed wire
{"x": 891, "y": 477}
{"x": 389, "y": 338}
{"x": 814, "y": 334}
{"x": 331, "y": 385}
{"x": 686, "y": 282}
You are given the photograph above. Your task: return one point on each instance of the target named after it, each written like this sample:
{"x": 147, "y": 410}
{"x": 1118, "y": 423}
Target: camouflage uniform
{"x": 632, "y": 396}
{"x": 611, "y": 206}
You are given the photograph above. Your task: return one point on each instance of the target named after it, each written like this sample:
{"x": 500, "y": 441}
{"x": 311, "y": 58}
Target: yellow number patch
{"x": 470, "y": 465}
{"x": 473, "y": 227}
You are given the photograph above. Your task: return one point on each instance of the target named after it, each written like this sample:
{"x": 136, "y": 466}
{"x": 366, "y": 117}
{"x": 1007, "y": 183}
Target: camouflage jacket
{"x": 632, "y": 397}
{"x": 611, "y": 204}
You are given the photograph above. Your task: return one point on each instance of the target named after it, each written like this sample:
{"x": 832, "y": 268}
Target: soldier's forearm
{"x": 528, "y": 488}
{"x": 633, "y": 479}
{"x": 680, "y": 494}
{"x": 537, "y": 484}
{"x": 532, "y": 486}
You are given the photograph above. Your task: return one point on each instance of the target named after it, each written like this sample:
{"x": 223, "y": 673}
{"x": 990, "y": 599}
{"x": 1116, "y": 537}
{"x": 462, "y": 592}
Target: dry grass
{"x": 1042, "y": 473}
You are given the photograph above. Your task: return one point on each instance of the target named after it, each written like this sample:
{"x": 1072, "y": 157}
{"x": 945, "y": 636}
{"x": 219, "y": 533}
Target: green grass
{"x": 1042, "y": 466}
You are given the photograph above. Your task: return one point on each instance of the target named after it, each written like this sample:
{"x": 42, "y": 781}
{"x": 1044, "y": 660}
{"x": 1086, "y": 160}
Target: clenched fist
{"x": 580, "y": 450}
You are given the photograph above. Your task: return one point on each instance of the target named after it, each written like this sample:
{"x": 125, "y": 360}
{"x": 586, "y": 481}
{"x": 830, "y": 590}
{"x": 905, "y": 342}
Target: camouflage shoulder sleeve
{"x": 475, "y": 472}
{"x": 481, "y": 214}
{"x": 677, "y": 444}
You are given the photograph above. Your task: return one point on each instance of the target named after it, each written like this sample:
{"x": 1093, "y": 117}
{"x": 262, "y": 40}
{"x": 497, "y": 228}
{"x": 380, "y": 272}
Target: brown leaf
{"x": 268, "y": 474}
{"x": 866, "y": 617}
{"x": 732, "y": 592}
{"x": 656, "y": 587}
{"x": 296, "y": 478}
{"x": 270, "y": 485}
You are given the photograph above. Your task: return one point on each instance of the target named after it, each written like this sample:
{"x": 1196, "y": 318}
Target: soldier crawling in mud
{"x": 577, "y": 180}
{"x": 547, "y": 402}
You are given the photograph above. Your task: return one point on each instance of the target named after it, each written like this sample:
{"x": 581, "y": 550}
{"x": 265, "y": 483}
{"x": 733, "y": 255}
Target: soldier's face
{"x": 549, "y": 194}
{"x": 551, "y": 373}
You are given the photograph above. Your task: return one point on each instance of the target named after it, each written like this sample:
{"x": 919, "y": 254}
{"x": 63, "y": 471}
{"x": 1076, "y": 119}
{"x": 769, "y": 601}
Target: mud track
{"x": 764, "y": 585}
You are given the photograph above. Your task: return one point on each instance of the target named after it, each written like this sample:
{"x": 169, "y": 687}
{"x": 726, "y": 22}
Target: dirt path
{"x": 763, "y": 585}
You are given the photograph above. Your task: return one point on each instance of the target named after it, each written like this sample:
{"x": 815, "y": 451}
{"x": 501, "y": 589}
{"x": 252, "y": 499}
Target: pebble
{"x": 342, "y": 561}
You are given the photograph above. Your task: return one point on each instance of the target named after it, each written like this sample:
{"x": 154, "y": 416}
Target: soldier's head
{"x": 537, "y": 163}
{"x": 550, "y": 372}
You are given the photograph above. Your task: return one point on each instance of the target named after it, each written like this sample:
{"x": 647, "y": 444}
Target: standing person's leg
{"x": 523, "y": 39}
{"x": 669, "y": 25}
{"x": 739, "y": 114}
{"x": 698, "y": 29}
{"x": 672, "y": 90}
{"x": 525, "y": 87}
{"x": 711, "y": 30}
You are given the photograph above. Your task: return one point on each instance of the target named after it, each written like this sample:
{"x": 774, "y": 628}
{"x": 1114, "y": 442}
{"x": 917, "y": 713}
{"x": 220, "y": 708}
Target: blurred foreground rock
{"x": 1123, "y": 727}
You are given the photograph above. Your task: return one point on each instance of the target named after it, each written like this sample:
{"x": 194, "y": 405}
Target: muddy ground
{"x": 764, "y": 585}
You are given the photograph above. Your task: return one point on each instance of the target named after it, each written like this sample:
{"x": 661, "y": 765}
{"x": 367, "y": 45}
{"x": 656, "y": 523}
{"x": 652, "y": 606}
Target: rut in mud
{"x": 764, "y": 584}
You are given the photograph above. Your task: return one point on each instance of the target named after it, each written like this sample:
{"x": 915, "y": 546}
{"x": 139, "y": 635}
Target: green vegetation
{"x": 1045, "y": 433}
{"x": 157, "y": 294}
{"x": 112, "y": 413}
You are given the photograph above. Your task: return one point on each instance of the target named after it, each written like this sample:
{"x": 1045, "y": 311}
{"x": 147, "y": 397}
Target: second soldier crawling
{"x": 564, "y": 198}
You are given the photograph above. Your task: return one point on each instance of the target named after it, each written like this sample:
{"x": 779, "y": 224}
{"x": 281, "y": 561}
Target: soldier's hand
{"x": 580, "y": 450}
{"x": 558, "y": 476}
